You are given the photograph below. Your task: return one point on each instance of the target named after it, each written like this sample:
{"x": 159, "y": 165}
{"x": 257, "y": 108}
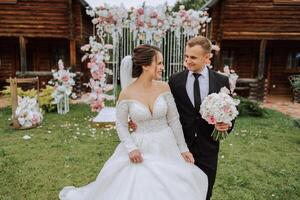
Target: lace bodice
{"x": 163, "y": 115}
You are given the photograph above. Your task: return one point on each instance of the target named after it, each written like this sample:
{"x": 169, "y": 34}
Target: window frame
{"x": 291, "y": 64}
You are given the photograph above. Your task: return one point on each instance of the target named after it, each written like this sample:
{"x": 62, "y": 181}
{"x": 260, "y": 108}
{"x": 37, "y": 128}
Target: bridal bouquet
{"x": 28, "y": 112}
{"x": 219, "y": 107}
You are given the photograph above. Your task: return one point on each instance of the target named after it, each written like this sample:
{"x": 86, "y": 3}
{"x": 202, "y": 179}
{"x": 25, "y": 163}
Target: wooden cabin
{"x": 260, "y": 39}
{"x": 35, "y": 34}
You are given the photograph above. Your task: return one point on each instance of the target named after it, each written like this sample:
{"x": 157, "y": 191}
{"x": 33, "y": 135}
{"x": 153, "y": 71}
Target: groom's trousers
{"x": 207, "y": 164}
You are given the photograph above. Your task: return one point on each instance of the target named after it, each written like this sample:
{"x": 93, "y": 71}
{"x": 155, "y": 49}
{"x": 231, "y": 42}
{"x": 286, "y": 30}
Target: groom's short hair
{"x": 204, "y": 42}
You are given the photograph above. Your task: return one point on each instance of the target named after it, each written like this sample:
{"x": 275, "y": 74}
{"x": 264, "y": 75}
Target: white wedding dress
{"x": 163, "y": 175}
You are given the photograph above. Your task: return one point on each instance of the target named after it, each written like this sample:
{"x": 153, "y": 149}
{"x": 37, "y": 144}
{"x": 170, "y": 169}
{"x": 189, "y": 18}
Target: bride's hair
{"x": 142, "y": 56}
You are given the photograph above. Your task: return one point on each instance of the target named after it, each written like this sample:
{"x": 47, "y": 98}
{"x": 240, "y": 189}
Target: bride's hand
{"x": 135, "y": 156}
{"x": 188, "y": 157}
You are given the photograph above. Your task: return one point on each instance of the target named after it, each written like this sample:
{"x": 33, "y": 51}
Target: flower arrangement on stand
{"x": 28, "y": 112}
{"x": 63, "y": 82}
{"x": 232, "y": 76}
{"x": 98, "y": 54}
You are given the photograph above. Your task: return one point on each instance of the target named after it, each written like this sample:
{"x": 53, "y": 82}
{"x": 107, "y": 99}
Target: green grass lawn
{"x": 260, "y": 159}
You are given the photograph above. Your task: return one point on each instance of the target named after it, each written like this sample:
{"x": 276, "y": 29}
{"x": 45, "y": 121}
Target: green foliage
{"x": 296, "y": 82}
{"x": 251, "y": 108}
{"x": 189, "y": 4}
{"x": 27, "y": 93}
{"x": 297, "y": 123}
{"x": 45, "y": 98}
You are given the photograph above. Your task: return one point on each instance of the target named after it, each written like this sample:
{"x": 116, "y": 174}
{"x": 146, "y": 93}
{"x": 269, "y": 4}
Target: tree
{"x": 189, "y": 4}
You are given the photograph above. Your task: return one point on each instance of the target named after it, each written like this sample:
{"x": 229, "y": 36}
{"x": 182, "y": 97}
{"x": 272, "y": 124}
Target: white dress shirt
{"x": 203, "y": 84}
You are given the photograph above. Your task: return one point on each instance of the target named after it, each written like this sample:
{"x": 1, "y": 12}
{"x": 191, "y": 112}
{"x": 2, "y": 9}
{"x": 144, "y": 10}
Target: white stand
{"x": 63, "y": 105}
{"x": 106, "y": 115}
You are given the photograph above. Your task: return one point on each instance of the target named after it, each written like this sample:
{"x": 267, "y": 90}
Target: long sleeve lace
{"x": 174, "y": 123}
{"x": 122, "y": 126}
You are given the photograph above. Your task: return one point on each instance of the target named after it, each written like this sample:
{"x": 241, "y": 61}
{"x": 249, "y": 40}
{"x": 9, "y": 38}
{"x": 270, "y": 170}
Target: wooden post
{"x": 23, "y": 60}
{"x": 14, "y": 95}
{"x": 217, "y": 61}
{"x": 262, "y": 58}
{"x": 72, "y": 40}
{"x": 14, "y": 100}
{"x": 73, "y": 53}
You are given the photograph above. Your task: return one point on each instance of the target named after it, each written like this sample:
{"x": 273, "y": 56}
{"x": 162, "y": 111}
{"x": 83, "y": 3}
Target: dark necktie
{"x": 197, "y": 96}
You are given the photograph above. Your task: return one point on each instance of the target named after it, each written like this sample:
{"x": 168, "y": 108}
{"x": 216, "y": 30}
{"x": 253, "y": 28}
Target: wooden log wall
{"x": 35, "y": 18}
{"x": 255, "y": 19}
{"x": 43, "y": 18}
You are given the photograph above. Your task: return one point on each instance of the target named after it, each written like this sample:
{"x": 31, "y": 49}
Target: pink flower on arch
{"x": 97, "y": 105}
{"x": 153, "y": 14}
{"x": 140, "y": 11}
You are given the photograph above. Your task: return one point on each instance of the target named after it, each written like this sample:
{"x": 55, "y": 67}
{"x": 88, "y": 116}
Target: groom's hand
{"x": 135, "y": 156}
{"x": 188, "y": 157}
{"x": 220, "y": 126}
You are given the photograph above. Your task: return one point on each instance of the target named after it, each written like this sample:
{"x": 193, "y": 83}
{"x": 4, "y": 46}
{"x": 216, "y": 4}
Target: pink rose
{"x": 211, "y": 120}
{"x": 226, "y": 109}
{"x": 109, "y": 46}
{"x": 153, "y": 15}
{"x": 99, "y": 91}
{"x": 140, "y": 22}
{"x": 34, "y": 119}
{"x": 65, "y": 78}
{"x": 149, "y": 24}
{"x": 140, "y": 11}
{"x": 97, "y": 105}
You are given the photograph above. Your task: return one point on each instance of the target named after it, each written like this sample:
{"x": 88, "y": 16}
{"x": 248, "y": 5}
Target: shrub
{"x": 251, "y": 108}
{"x": 295, "y": 81}
{"x": 45, "y": 98}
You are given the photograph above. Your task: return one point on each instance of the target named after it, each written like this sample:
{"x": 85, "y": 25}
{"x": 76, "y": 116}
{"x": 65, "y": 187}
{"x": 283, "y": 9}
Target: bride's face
{"x": 157, "y": 67}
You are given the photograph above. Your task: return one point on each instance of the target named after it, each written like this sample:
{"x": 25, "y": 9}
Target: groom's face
{"x": 195, "y": 58}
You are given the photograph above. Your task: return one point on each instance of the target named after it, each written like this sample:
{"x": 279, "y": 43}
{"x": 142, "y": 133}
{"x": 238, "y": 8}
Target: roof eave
{"x": 209, "y": 4}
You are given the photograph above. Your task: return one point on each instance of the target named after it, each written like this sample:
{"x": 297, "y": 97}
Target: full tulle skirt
{"x": 163, "y": 174}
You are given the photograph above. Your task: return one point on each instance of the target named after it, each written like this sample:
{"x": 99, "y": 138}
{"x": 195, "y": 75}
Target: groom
{"x": 189, "y": 88}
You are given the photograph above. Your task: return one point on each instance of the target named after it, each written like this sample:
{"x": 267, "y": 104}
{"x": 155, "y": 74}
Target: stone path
{"x": 283, "y": 104}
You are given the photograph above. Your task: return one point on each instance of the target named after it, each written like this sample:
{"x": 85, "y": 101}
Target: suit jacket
{"x": 195, "y": 128}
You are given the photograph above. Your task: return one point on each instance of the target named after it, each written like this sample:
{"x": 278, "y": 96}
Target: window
{"x": 8, "y": 1}
{"x": 57, "y": 53}
{"x": 287, "y": 2}
{"x": 227, "y": 58}
{"x": 293, "y": 60}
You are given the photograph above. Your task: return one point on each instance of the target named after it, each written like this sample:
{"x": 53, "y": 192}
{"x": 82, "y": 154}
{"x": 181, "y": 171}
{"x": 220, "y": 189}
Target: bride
{"x": 153, "y": 162}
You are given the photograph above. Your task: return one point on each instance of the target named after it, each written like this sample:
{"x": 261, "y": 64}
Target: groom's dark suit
{"x": 197, "y": 131}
